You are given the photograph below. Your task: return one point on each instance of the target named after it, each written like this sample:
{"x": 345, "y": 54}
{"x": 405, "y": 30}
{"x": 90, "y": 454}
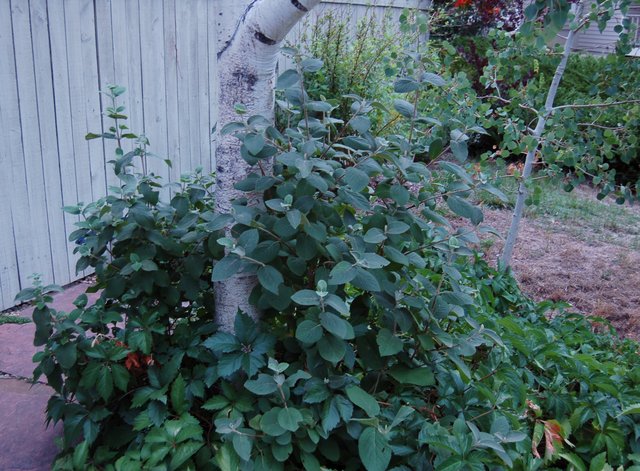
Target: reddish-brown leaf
{"x": 553, "y": 437}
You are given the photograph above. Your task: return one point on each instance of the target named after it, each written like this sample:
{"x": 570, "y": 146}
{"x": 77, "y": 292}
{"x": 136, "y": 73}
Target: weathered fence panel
{"x": 55, "y": 56}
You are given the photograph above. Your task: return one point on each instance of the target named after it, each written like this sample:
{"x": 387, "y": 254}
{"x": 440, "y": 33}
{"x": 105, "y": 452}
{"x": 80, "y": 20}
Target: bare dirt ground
{"x": 598, "y": 275}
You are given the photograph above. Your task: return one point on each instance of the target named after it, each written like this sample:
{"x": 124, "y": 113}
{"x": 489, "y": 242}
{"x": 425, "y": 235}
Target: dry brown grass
{"x": 598, "y": 278}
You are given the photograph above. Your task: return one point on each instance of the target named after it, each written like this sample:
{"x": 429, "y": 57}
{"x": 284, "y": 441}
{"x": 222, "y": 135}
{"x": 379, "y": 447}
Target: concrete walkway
{"x": 25, "y": 441}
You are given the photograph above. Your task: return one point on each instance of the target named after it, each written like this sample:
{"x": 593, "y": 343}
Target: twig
{"x": 594, "y": 105}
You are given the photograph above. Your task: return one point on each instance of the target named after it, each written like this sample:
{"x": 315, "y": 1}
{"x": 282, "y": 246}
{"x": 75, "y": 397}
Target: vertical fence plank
{"x": 9, "y": 185}
{"x": 57, "y": 233}
{"x": 202, "y": 95}
{"x": 183, "y": 27}
{"x": 121, "y": 60}
{"x": 171, "y": 88}
{"x": 106, "y": 76}
{"x": 131, "y": 35}
{"x": 32, "y": 224}
{"x": 91, "y": 88}
{"x": 63, "y": 122}
{"x": 193, "y": 78}
{"x": 78, "y": 117}
{"x": 212, "y": 14}
{"x": 153, "y": 84}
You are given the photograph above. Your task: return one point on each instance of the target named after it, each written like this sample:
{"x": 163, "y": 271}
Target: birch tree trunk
{"x": 246, "y": 64}
{"x": 512, "y": 235}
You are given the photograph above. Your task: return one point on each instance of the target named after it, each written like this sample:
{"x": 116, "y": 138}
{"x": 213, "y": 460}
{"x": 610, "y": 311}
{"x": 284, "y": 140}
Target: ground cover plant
{"x": 9, "y": 319}
{"x": 385, "y": 341}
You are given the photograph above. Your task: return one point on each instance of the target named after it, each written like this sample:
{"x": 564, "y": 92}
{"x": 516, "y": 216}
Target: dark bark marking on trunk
{"x": 244, "y": 78}
{"x": 235, "y": 31}
{"x": 265, "y": 39}
{"x": 299, "y": 6}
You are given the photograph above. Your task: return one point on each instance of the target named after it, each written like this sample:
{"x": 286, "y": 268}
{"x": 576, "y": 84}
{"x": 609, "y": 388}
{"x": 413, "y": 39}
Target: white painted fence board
{"x": 183, "y": 27}
{"x": 121, "y": 60}
{"x": 153, "y": 84}
{"x": 202, "y": 89}
{"x": 79, "y": 119}
{"x": 49, "y": 141}
{"x": 32, "y": 225}
{"x": 107, "y": 76}
{"x": 135, "y": 91}
{"x": 212, "y": 51}
{"x": 91, "y": 89}
{"x": 193, "y": 79}
{"x": 171, "y": 88}
{"x": 9, "y": 269}
{"x": 63, "y": 120}
{"x": 77, "y": 100}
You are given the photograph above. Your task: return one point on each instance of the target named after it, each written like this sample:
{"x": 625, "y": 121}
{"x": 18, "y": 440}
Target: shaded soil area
{"x": 550, "y": 262}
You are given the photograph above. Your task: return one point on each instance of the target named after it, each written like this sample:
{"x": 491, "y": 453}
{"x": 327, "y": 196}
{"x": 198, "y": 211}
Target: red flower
{"x": 462, "y": 3}
{"x": 138, "y": 361}
{"x": 132, "y": 361}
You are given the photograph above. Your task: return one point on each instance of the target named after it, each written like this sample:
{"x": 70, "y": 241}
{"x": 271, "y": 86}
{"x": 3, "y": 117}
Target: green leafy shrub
{"x": 611, "y": 132}
{"x": 354, "y": 62}
{"x": 369, "y": 63}
{"x": 384, "y": 343}
{"x": 598, "y": 144}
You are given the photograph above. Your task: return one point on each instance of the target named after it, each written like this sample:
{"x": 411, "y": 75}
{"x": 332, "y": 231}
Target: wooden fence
{"x": 55, "y": 55}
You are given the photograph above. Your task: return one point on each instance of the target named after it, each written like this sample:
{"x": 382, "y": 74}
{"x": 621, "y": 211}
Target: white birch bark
{"x": 247, "y": 62}
{"x": 512, "y": 235}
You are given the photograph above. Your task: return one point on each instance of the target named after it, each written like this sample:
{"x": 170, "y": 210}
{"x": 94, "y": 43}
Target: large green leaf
{"x": 336, "y": 325}
{"x": 309, "y": 331}
{"x": 306, "y": 297}
{"x": 243, "y": 445}
{"x": 388, "y": 343}
{"x": 403, "y": 107}
{"x": 262, "y": 386}
{"x": 342, "y": 273}
{"x": 67, "y": 355}
{"x": 269, "y": 423}
{"x": 226, "y": 268}
{"x": 270, "y": 278}
{"x": 465, "y": 209}
{"x": 363, "y": 400}
{"x": 405, "y": 85}
{"x": 632, "y": 409}
{"x": 374, "y": 450}
{"x": 422, "y": 376}
{"x": 105, "y": 383}
{"x": 178, "y": 395}
{"x": 433, "y": 79}
{"x": 356, "y": 179}
{"x": 289, "y": 418}
{"x": 331, "y": 348}
{"x": 287, "y": 79}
